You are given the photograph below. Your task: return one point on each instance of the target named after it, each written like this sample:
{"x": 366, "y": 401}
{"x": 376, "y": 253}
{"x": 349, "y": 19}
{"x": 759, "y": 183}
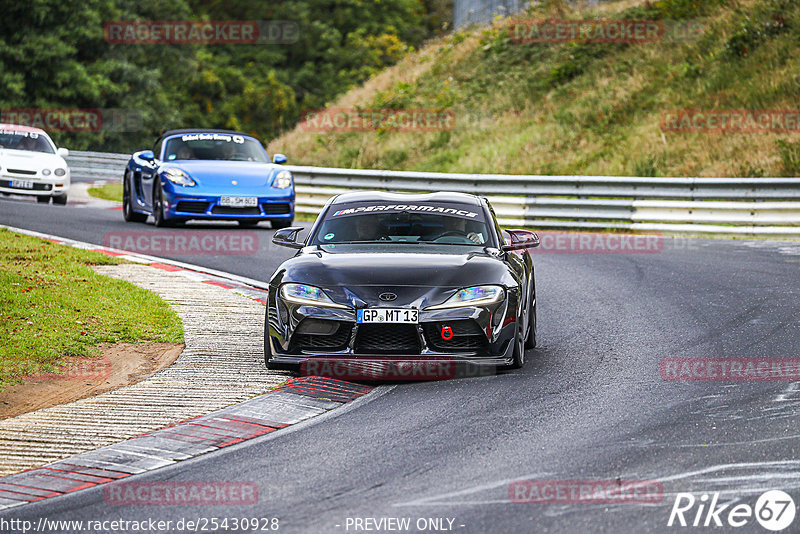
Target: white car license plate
{"x": 238, "y": 202}
{"x": 387, "y": 315}
{"x": 22, "y": 184}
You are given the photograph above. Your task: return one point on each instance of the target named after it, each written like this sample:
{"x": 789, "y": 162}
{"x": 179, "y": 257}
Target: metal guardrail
{"x": 722, "y": 206}
{"x": 97, "y": 165}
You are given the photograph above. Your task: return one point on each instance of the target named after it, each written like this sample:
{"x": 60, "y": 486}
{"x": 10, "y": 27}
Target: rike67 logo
{"x": 774, "y": 510}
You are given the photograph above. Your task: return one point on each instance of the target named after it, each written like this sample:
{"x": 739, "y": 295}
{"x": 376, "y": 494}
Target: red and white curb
{"x": 248, "y": 287}
{"x": 296, "y": 401}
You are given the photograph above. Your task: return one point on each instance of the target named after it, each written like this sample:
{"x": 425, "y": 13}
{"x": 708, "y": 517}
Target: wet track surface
{"x": 590, "y": 403}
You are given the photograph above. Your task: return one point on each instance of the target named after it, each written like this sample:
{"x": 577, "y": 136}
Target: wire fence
{"x": 467, "y": 12}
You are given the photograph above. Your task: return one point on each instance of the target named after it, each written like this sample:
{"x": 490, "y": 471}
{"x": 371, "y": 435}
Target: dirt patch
{"x": 121, "y": 364}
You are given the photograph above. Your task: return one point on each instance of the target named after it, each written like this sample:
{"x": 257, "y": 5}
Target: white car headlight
{"x": 305, "y": 294}
{"x": 472, "y": 296}
{"x": 282, "y": 180}
{"x": 179, "y": 177}
{"x": 45, "y": 172}
{"x": 60, "y": 172}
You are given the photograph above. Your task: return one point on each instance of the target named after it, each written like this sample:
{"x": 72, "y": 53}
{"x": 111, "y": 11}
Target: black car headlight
{"x": 282, "y": 180}
{"x": 472, "y": 296}
{"x": 305, "y": 294}
{"x": 179, "y": 177}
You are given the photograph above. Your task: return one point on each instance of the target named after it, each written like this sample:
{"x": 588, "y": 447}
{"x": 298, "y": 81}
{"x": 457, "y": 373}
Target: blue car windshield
{"x": 421, "y": 223}
{"x": 214, "y": 146}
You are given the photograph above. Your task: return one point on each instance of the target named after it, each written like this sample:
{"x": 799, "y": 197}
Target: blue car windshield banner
{"x": 450, "y": 209}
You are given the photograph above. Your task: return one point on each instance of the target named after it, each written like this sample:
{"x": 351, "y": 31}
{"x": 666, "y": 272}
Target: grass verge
{"x": 107, "y": 192}
{"x": 53, "y": 306}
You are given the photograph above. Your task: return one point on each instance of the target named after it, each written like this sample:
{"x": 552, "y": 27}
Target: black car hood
{"x": 418, "y": 275}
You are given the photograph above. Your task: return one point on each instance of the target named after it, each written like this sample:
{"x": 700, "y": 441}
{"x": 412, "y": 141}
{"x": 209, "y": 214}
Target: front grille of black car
{"x": 36, "y": 186}
{"x": 467, "y": 336}
{"x": 387, "y": 339}
{"x": 21, "y": 171}
{"x": 318, "y": 341}
{"x": 192, "y": 206}
{"x": 228, "y": 210}
{"x": 276, "y": 208}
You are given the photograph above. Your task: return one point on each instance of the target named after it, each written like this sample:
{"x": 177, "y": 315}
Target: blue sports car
{"x": 211, "y": 175}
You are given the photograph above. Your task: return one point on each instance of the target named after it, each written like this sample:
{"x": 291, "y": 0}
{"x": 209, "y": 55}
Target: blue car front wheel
{"x": 159, "y": 219}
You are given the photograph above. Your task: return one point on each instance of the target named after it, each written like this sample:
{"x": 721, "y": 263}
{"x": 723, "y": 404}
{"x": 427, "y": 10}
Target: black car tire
{"x": 519, "y": 350}
{"x": 277, "y": 225}
{"x": 61, "y": 200}
{"x": 43, "y": 199}
{"x": 530, "y": 338}
{"x": 272, "y": 366}
{"x": 127, "y": 210}
{"x": 267, "y": 348}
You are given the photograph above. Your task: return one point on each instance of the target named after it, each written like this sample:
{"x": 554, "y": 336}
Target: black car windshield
{"x": 420, "y": 223}
{"x": 214, "y": 146}
{"x": 30, "y": 141}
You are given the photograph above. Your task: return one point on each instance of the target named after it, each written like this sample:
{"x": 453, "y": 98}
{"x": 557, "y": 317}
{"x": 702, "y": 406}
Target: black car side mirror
{"x": 287, "y": 237}
{"x": 520, "y": 240}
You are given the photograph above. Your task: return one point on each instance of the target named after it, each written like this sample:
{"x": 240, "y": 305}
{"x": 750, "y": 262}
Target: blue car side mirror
{"x": 278, "y": 158}
{"x": 147, "y": 155}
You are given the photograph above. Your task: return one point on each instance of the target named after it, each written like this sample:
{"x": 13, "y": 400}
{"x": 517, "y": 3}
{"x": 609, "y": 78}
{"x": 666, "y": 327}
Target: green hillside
{"x": 585, "y": 108}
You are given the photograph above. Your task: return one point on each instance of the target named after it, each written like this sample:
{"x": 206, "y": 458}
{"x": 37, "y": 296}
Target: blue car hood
{"x": 221, "y": 174}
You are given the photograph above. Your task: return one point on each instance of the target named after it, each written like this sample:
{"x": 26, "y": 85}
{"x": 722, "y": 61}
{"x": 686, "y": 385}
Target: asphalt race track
{"x": 589, "y": 405}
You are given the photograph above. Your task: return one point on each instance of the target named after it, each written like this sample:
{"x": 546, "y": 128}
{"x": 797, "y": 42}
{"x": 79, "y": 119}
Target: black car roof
{"x": 383, "y": 196}
{"x": 202, "y": 130}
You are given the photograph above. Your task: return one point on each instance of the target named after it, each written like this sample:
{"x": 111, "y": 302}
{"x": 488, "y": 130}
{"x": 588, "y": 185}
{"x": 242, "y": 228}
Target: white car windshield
{"x": 30, "y": 141}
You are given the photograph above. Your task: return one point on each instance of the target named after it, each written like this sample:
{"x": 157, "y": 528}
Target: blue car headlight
{"x": 305, "y": 294}
{"x": 282, "y": 180}
{"x": 472, "y": 296}
{"x": 179, "y": 177}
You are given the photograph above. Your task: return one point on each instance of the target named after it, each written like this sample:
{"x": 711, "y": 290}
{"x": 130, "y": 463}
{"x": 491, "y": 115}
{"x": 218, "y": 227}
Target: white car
{"x": 30, "y": 164}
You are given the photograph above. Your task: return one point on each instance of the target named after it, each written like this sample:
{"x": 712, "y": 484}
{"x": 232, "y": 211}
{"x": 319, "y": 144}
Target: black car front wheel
{"x": 530, "y": 338}
{"x": 519, "y": 348}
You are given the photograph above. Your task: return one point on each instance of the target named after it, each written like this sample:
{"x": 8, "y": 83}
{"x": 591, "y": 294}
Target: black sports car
{"x": 403, "y": 277}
